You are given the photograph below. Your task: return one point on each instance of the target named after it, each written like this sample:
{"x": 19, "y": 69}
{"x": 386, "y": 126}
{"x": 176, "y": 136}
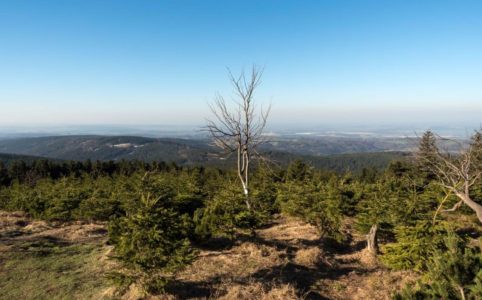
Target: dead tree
{"x": 456, "y": 172}
{"x": 372, "y": 242}
{"x": 237, "y": 127}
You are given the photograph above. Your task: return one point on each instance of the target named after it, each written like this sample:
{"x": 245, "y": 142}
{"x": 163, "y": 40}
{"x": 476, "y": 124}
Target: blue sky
{"x": 160, "y": 62}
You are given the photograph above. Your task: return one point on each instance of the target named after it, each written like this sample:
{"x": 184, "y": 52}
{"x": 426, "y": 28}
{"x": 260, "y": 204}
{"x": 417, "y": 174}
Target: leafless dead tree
{"x": 456, "y": 172}
{"x": 237, "y": 126}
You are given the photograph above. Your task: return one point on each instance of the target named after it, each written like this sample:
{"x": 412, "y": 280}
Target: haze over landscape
{"x": 240, "y": 150}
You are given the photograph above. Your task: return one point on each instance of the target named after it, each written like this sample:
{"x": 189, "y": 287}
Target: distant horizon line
{"x": 187, "y": 130}
{"x": 271, "y": 124}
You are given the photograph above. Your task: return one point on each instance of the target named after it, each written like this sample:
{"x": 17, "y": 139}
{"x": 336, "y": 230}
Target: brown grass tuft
{"x": 37, "y": 226}
{"x": 291, "y": 229}
{"x": 368, "y": 259}
{"x": 309, "y": 257}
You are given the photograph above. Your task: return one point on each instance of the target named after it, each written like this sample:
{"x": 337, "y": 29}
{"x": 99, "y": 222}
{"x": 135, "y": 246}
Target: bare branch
{"x": 440, "y": 207}
{"x": 239, "y": 130}
{"x": 455, "y": 207}
{"x": 456, "y": 173}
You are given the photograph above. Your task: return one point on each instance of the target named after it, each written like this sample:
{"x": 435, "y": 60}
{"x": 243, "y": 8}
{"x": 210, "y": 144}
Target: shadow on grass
{"x": 333, "y": 247}
{"x": 469, "y": 232}
{"x": 301, "y": 277}
{"x": 11, "y": 234}
{"x": 304, "y": 279}
{"x": 41, "y": 246}
{"x": 215, "y": 244}
{"x": 189, "y": 289}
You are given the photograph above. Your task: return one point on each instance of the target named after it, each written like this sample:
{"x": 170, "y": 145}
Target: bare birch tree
{"x": 456, "y": 172}
{"x": 237, "y": 125}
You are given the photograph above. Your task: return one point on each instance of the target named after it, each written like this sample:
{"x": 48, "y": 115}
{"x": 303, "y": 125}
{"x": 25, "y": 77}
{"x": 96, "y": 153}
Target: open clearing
{"x": 286, "y": 260}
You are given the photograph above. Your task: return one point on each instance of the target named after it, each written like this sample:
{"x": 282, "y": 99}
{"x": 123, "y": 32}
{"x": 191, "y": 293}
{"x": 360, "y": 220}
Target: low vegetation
{"x": 135, "y": 229}
{"x": 42, "y": 261}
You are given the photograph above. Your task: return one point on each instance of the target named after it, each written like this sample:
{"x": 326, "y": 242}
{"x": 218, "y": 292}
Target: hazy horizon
{"x": 196, "y": 131}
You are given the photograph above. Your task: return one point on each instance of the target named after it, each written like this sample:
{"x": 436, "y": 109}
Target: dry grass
{"x": 258, "y": 291}
{"x": 379, "y": 284}
{"x": 309, "y": 257}
{"x": 285, "y": 261}
{"x": 291, "y": 230}
{"x": 237, "y": 262}
{"x": 368, "y": 259}
{"x": 17, "y": 226}
{"x": 10, "y": 221}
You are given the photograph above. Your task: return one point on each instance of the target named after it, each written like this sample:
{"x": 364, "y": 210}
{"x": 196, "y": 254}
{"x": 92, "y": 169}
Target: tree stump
{"x": 372, "y": 244}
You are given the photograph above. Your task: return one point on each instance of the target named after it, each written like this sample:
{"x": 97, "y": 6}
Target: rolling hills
{"x": 109, "y": 148}
{"x": 340, "y": 155}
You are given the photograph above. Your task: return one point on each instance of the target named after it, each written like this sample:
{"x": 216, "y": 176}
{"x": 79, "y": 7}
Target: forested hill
{"x": 181, "y": 151}
{"x": 8, "y": 158}
{"x": 110, "y": 148}
{"x": 355, "y": 162}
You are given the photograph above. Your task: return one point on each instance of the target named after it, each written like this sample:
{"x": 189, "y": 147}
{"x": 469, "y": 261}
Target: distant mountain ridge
{"x": 196, "y": 151}
{"x": 109, "y": 148}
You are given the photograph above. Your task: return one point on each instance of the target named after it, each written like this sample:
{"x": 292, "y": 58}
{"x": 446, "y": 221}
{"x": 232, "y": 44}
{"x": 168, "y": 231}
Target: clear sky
{"x": 160, "y": 62}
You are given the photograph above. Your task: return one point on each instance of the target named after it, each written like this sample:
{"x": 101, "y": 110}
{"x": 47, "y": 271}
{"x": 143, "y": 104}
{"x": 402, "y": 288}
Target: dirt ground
{"x": 289, "y": 260}
{"x": 286, "y": 260}
{"x": 17, "y": 226}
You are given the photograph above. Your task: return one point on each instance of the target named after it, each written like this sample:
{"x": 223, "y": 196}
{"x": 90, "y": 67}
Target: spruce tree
{"x": 4, "y": 178}
{"x": 150, "y": 241}
{"x": 427, "y": 154}
{"x": 476, "y": 146}
{"x": 453, "y": 272}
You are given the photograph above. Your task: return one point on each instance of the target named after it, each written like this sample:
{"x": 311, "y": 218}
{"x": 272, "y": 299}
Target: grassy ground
{"x": 47, "y": 271}
{"x": 286, "y": 260}
{"x": 46, "y": 264}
